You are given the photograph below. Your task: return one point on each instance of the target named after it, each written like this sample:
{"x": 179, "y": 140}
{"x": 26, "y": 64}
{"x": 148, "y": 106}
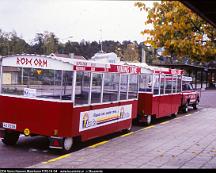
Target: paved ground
{"x": 208, "y": 99}
{"x": 28, "y": 151}
{"x": 188, "y": 141}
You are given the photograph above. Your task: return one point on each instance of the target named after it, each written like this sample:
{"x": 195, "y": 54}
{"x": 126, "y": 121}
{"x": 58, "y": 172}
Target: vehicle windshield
{"x": 187, "y": 86}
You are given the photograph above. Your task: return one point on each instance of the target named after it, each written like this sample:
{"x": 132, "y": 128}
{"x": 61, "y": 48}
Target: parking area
{"x": 188, "y": 141}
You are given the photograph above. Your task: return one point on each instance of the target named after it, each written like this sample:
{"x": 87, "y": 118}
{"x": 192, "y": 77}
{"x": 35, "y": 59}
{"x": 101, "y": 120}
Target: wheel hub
{"x": 148, "y": 119}
{"x": 68, "y": 142}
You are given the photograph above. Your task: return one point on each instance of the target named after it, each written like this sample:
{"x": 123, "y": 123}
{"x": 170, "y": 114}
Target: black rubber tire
{"x": 174, "y": 115}
{"x": 185, "y": 108}
{"x": 195, "y": 105}
{"x": 10, "y": 137}
{"x": 128, "y": 129}
{"x": 137, "y": 120}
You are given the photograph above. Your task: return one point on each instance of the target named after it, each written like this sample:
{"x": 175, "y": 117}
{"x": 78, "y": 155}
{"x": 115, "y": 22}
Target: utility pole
{"x": 101, "y": 44}
{"x": 143, "y": 55}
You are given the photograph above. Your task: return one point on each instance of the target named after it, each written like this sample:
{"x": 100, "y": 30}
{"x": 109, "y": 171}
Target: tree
{"x": 50, "y": 43}
{"x": 37, "y": 45}
{"x": 17, "y": 44}
{"x": 4, "y": 43}
{"x": 45, "y": 43}
{"x": 181, "y": 32}
{"x": 131, "y": 53}
{"x": 10, "y": 43}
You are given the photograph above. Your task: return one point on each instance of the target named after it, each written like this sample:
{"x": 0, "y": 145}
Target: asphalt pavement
{"x": 188, "y": 141}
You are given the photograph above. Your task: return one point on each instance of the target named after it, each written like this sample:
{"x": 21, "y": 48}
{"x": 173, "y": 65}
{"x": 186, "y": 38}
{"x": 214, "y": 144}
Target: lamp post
{"x": 101, "y": 44}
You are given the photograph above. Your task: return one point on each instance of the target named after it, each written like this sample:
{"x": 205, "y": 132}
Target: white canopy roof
{"x": 47, "y": 62}
{"x": 106, "y": 57}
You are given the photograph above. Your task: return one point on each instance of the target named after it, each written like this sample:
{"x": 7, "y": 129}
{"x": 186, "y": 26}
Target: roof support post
{"x": 196, "y": 79}
{"x": 206, "y": 79}
{"x": 189, "y": 73}
{"x": 201, "y": 78}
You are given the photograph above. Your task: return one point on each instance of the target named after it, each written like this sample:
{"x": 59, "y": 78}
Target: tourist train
{"x": 66, "y": 99}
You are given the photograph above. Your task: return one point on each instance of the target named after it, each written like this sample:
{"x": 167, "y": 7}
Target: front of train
{"x": 33, "y": 97}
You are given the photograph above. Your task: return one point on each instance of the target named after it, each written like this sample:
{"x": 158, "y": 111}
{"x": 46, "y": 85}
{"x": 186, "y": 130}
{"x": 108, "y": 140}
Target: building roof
{"x": 71, "y": 55}
{"x": 204, "y": 8}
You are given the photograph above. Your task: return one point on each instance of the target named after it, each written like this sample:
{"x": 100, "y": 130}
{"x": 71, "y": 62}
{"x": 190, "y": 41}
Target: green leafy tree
{"x": 10, "y": 43}
{"x": 17, "y": 44}
{"x": 4, "y": 43}
{"x": 180, "y": 31}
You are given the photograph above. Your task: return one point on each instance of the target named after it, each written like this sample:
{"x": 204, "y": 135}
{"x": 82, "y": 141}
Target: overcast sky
{"x": 119, "y": 20}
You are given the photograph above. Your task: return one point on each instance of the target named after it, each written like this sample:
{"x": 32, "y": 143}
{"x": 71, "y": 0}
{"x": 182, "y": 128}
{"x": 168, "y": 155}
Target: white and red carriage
{"x": 64, "y": 98}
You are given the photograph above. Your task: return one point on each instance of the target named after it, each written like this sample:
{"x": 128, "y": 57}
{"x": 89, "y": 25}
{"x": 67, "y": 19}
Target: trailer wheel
{"x": 67, "y": 144}
{"x": 128, "y": 129}
{"x": 10, "y": 137}
{"x": 195, "y": 104}
{"x": 185, "y": 108}
{"x": 174, "y": 114}
{"x": 148, "y": 120}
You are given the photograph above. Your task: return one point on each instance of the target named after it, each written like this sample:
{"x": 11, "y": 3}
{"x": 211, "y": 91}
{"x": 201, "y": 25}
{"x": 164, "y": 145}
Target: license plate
{"x": 9, "y": 125}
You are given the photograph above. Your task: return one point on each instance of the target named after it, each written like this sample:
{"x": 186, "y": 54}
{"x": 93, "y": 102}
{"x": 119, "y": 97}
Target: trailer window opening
{"x": 179, "y": 83}
{"x": 35, "y": 82}
{"x": 124, "y": 87}
{"x": 156, "y": 84}
{"x": 111, "y": 87}
{"x": 67, "y": 85}
{"x": 174, "y": 83}
{"x": 145, "y": 82}
{"x": 11, "y": 80}
{"x": 168, "y": 84}
{"x": 133, "y": 86}
{"x": 96, "y": 88}
{"x": 162, "y": 84}
{"x": 82, "y": 87}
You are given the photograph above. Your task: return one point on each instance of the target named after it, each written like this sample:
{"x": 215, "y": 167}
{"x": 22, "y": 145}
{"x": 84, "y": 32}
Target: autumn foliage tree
{"x": 180, "y": 31}
{"x": 131, "y": 53}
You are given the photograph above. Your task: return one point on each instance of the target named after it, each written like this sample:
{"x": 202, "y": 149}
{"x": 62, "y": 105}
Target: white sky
{"x": 119, "y": 20}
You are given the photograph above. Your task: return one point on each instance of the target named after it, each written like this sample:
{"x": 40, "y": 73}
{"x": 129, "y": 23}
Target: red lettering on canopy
{"x": 23, "y": 60}
{"x": 135, "y": 70}
{"x": 123, "y": 69}
{"x": 18, "y": 61}
{"x": 44, "y": 63}
{"x": 35, "y": 62}
{"x": 28, "y": 61}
